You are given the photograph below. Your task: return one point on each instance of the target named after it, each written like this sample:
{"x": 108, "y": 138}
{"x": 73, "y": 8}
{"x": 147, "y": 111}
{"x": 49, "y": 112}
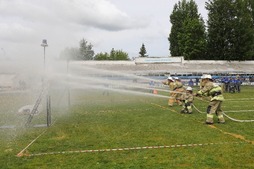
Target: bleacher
{"x": 182, "y": 68}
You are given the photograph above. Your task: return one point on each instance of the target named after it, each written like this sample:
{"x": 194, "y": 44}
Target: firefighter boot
{"x": 209, "y": 119}
{"x": 183, "y": 111}
{"x": 171, "y": 102}
{"x": 221, "y": 119}
{"x": 189, "y": 107}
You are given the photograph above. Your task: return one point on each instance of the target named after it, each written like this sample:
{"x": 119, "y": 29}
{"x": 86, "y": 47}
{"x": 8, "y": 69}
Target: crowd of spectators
{"x": 229, "y": 83}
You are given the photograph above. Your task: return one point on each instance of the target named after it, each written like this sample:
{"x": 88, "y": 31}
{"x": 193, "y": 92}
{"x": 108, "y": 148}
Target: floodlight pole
{"x": 44, "y": 64}
{"x": 44, "y": 45}
{"x": 48, "y": 100}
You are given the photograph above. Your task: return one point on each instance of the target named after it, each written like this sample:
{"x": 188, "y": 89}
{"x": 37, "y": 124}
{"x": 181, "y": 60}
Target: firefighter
{"x": 187, "y": 101}
{"x": 215, "y": 92}
{"x": 171, "y": 83}
{"x": 201, "y": 85}
{"x": 178, "y": 91}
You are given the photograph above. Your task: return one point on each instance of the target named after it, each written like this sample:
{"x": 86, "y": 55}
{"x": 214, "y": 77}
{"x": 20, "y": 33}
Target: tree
{"x": 86, "y": 52}
{"x": 118, "y": 55}
{"x": 114, "y": 55}
{"x": 187, "y": 37}
{"x": 243, "y": 38}
{"x": 193, "y": 40}
{"x": 250, "y": 4}
{"x": 230, "y": 30}
{"x": 142, "y": 51}
{"x": 102, "y": 56}
{"x": 176, "y": 19}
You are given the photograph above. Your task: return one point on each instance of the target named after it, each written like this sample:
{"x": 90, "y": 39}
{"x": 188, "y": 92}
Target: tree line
{"x": 85, "y": 52}
{"x": 228, "y": 35}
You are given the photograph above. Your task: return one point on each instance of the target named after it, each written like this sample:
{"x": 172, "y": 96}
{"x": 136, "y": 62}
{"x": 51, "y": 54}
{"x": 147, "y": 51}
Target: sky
{"x": 106, "y": 24}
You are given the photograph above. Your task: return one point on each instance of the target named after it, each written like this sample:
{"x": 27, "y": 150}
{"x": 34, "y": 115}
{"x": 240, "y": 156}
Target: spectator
{"x": 190, "y": 83}
{"x": 238, "y": 84}
{"x": 197, "y": 80}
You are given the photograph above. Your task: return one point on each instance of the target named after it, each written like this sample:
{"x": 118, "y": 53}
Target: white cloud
{"x": 96, "y": 13}
{"x": 89, "y": 13}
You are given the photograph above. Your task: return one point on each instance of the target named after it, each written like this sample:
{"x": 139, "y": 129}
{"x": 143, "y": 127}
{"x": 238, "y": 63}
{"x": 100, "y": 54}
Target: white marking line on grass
{"x": 132, "y": 148}
{"x": 244, "y": 99}
{"x": 238, "y": 111}
{"x": 21, "y": 153}
{"x": 231, "y": 118}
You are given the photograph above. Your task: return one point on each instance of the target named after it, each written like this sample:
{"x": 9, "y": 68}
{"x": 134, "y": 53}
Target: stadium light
{"x": 44, "y": 45}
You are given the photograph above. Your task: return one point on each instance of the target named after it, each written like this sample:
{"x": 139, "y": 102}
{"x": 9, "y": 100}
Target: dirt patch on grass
{"x": 232, "y": 134}
{"x": 239, "y": 137}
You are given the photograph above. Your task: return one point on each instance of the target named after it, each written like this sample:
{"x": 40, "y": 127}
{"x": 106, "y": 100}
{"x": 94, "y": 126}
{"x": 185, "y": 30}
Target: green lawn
{"x": 98, "y": 122}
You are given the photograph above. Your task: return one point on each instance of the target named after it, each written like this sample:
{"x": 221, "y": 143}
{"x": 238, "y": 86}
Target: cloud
{"x": 15, "y": 32}
{"x": 24, "y": 23}
{"x": 99, "y": 14}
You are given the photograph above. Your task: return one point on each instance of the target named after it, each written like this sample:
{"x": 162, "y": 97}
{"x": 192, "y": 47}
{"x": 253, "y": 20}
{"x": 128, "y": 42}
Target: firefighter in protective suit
{"x": 178, "y": 91}
{"x": 171, "y": 83}
{"x": 187, "y": 100}
{"x": 215, "y": 92}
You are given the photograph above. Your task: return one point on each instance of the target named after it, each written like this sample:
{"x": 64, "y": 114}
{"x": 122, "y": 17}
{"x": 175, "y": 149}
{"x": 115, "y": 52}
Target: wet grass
{"x": 97, "y": 121}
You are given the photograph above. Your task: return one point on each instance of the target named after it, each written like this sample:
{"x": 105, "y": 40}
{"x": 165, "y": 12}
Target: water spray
{"x": 97, "y": 83}
{"x": 35, "y": 107}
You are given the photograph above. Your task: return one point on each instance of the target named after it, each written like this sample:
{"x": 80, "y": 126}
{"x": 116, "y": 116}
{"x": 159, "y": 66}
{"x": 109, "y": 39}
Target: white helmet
{"x": 189, "y": 88}
{"x": 207, "y": 77}
{"x": 170, "y": 78}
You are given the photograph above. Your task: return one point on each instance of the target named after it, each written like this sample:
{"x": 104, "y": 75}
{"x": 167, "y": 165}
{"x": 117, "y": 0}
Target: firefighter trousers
{"x": 214, "y": 107}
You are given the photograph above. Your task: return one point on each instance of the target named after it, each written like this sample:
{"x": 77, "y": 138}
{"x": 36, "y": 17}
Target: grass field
{"x": 139, "y": 124}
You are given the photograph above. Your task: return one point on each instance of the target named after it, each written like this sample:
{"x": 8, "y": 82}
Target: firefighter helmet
{"x": 170, "y": 78}
{"x": 207, "y": 77}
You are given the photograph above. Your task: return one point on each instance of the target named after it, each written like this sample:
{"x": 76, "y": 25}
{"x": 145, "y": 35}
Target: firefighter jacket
{"x": 187, "y": 97}
{"x": 170, "y": 84}
{"x": 178, "y": 85}
{"x": 202, "y": 84}
{"x": 212, "y": 90}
